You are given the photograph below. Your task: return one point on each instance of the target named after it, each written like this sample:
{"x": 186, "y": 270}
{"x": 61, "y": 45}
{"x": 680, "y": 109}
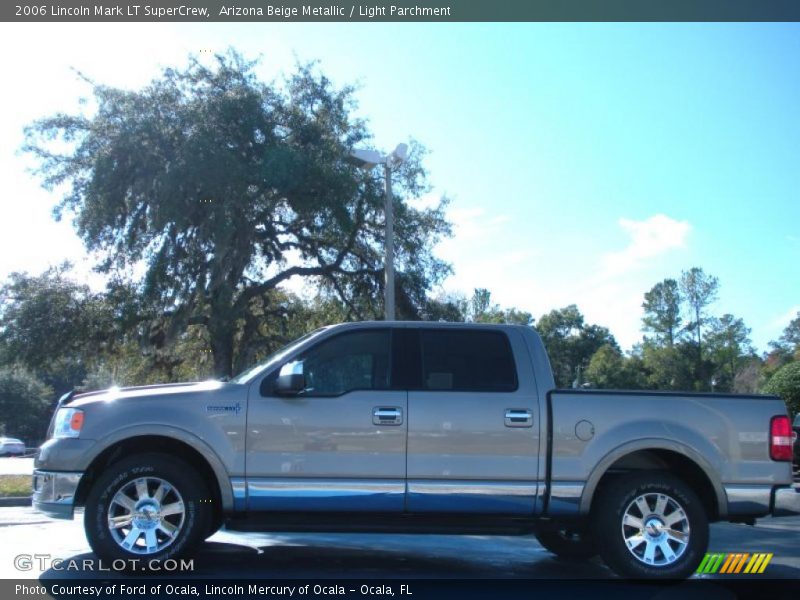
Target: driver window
{"x": 347, "y": 362}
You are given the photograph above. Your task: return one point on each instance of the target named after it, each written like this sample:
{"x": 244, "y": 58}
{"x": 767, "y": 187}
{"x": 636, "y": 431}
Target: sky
{"x": 584, "y": 162}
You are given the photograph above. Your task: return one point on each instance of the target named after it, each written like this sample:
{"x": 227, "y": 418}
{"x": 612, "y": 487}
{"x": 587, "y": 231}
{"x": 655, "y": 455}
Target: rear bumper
{"x": 786, "y": 502}
{"x": 54, "y": 493}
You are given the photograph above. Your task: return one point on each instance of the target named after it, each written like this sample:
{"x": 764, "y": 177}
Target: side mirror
{"x": 291, "y": 380}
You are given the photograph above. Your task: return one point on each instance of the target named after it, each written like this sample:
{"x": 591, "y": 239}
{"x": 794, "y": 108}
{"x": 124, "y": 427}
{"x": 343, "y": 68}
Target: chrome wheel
{"x": 655, "y": 529}
{"x": 146, "y": 515}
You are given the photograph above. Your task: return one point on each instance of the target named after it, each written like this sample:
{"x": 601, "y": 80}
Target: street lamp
{"x": 369, "y": 159}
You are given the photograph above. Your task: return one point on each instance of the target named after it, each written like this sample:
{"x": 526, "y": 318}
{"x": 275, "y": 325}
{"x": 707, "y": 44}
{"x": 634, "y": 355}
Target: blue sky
{"x": 585, "y": 162}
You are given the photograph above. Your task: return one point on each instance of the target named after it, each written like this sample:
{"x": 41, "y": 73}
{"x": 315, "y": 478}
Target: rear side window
{"x": 470, "y": 361}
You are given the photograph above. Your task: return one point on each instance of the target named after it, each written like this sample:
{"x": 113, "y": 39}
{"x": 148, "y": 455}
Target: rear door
{"x": 473, "y": 435}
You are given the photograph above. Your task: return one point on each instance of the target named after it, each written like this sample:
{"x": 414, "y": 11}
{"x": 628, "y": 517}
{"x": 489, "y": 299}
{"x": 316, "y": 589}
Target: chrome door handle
{"x": 518, "y": 417}
{"x": 387, "y": 415}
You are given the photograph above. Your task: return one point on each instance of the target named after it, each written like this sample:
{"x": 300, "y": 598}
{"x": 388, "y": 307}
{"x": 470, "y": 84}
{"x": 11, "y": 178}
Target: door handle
{"x": 518, "y": 417}
{"x": 387, "y": 415}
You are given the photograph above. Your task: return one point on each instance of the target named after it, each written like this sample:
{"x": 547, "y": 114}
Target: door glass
{"x": 348, "y": 362}
{"x": 469, "y": 361}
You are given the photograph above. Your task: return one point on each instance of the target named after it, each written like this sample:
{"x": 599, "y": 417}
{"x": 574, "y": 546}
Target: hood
{"x": 115, "y": 393}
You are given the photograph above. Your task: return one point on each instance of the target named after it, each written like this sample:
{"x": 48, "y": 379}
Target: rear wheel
{"x": 568, "y": 541}
{"x": 650, "y": 526}
{"x": 147, "y": 507}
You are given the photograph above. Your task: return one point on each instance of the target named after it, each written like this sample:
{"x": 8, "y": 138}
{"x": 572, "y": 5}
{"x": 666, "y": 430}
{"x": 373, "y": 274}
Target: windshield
{"x": 277, "y": 356}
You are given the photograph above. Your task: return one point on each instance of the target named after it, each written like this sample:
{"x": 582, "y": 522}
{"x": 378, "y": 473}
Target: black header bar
{"x": 440, "y": 11}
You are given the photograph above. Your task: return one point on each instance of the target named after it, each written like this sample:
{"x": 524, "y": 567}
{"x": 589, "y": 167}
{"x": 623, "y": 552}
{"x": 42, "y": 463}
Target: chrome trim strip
{"x": 54, "y": 493}
{"x": 748, "y": 499}
{"x": 483, "y": 488}
{"x": 471, "y": 496}
{"x": 239, "y": 488}
{"x": 565, "y": 497}
{"x": 386, "y": 495}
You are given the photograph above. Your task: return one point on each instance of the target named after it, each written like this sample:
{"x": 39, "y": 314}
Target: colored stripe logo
{"x": 734, "y": 562}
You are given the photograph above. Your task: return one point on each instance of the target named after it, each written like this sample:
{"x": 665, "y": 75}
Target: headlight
{"x": 68, "y": 423}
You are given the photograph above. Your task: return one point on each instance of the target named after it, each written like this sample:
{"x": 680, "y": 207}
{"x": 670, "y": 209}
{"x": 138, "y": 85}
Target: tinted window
{"x": 475, "y": 361}
{"x": 351, "y": 361}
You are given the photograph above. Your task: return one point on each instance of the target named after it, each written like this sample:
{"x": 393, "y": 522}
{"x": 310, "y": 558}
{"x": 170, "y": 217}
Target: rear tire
{"x": 570, "y": 542}
{"x": 147, "y": 507}
{"x": 650, "y": 526}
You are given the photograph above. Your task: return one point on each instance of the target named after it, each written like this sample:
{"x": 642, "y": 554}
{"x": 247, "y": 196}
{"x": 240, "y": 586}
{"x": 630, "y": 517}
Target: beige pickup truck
{"x": 417, "y": 427}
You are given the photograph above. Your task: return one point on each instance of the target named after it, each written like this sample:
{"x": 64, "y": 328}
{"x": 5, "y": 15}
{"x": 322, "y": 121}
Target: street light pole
{"x": 388, "y": 295}
{"x": 368, "y": 159}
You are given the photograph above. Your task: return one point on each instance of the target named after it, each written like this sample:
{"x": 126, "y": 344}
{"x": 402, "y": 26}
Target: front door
{"x": 340, "y": 445}
{"x": 473, "y": 430}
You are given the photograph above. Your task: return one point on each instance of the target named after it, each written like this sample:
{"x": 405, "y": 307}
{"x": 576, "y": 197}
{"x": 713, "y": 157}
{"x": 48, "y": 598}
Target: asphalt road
{"x": 329, "y": 556}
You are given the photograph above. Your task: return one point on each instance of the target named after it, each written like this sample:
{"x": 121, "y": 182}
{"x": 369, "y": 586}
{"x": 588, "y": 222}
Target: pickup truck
{"x": 417, "y": 427}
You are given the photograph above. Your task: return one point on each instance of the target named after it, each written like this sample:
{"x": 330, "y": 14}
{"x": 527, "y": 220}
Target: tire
{"x": 570, "y": 542}
{"x": 137, "y": 491}
{"x": 638, "y": 508}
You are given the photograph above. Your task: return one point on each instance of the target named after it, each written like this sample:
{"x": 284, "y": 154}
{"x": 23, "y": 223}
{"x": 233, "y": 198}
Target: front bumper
{"x": 54, "y": 493}
{"x": 787, "y": 502}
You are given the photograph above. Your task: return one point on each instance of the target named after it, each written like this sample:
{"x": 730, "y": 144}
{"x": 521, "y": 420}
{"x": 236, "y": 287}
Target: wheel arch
{"x": 174, "y": 443}
{"x": 649, "y": 454}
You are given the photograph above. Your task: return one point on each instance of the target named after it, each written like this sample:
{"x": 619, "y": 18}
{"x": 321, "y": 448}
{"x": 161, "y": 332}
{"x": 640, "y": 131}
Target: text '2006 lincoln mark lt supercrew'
{"x": 417, "y": 427}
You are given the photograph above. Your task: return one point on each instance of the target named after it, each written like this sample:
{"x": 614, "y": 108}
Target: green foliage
{"x": 786, "y": 384}
{"x": 570, "y": 342}
{"x": 609, "y": 369}
{"x": 452, "y": 308}
{"x": 729, "y": 346}
{"x": 54, "y": 326}
{"x": 791, "y": 335}
{"x": 749, "y": 376}
{"x": 787, "y": 347}
{"x": 670, "y": 367}
{"x": 699, "y": 291}
{"x": 662, "y": 311}
{"x": 708, "y": 353}
{"x": 25, "y": 405}
{"x": 481, "y": 309}
{"x": 214, "y": 180}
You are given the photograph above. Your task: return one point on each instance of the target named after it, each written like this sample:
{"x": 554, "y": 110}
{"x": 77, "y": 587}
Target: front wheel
{"x": 146, "y": 507}
{"x": 650, "y": 526}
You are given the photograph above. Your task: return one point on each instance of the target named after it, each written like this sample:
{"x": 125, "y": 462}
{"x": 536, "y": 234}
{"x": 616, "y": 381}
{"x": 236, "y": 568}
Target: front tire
{"x": 147, "y": 507}
{"x": 650, "y": 526}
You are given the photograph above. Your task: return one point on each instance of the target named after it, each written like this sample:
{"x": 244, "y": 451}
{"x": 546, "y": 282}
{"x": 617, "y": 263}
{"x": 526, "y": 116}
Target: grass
{"x": 15, "y": 485}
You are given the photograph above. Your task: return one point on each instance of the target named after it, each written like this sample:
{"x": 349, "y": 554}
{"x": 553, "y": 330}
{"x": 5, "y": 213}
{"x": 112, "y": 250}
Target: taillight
{"x": 780, "y": 438}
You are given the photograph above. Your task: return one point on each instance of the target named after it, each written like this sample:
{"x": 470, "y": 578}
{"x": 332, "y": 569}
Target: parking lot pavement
{"x": 11, "y": 465}
{"x": 249, "y": 555}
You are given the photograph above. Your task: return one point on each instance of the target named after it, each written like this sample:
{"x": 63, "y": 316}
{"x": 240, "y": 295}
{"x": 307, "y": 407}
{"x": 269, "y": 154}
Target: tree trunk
{"x": 222, "y": 349}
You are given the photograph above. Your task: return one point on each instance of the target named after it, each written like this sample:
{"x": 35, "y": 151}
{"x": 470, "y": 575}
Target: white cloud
{"x": 784, "y": 318}
{"x": 652, "y": 237}
{"x": 425, "y": 201}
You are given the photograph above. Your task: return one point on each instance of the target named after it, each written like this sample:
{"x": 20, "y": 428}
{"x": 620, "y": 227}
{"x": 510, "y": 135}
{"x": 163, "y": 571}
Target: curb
{"x": 15, "y": 501}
